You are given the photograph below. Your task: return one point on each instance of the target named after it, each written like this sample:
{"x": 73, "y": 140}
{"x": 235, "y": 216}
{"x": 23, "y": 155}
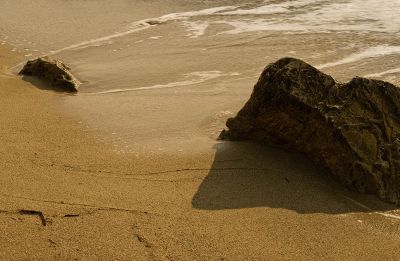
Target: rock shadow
{"x": 44, "y": 85}
{"x": 249, "y": 175}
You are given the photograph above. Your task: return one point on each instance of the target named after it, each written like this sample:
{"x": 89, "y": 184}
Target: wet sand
{"x": 222, "y": 201}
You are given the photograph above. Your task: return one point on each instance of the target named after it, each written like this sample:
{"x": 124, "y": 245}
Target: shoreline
{"x": 223, "y": 201}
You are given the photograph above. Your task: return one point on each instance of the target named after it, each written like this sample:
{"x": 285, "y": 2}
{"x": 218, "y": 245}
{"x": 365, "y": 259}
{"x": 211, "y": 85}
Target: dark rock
{"x": 153, "y": 22}
{"x": 351, "y": 130}
{"x": 53, "y": 71}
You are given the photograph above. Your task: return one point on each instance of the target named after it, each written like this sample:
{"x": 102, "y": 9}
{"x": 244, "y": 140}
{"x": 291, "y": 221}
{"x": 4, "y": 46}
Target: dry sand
{"x": 221, "y": 201}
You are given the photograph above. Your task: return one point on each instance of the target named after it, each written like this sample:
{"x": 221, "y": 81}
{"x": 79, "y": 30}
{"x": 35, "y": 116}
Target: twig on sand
{"x": 34, "y": 212}
{"x": 52, "y": 242}
{"x": 71, "y": 215}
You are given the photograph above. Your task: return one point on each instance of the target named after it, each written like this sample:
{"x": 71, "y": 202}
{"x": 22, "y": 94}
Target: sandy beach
{"x": 233, "y": 201}
{"x": 130, "y": 168}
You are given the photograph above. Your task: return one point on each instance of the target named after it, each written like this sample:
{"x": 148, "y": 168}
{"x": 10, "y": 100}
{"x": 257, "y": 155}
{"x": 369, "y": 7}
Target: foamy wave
{"x": 186, "y": 15}
{"x": 196, "y": 28}
{"x": 319, "y": 16}
{"x": 145, "y": 24}
{"x": 139, "y": 26}
{"x": 256, "y": 25}
{"x": 371, "y": 52}
{"x": 193, "y": 78}
{"x": 392, "y": 71}
{"x": 267, "y": 9}
{"x": 284, "y": 7}
{"x": 300, "y": 16}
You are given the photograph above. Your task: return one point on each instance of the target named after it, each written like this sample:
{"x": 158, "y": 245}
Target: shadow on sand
{"x": 247, "y": 175}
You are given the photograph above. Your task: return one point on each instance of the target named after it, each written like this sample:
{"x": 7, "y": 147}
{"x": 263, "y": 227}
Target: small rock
{"x": 54, "y": 71}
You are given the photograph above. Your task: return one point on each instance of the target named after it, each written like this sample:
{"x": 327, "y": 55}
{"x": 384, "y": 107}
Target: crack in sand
{"x": 149, "y": 248}
{"x": 211, "y": 169}
{"x": 121, "y": 175}
{"x": 96, "y": 207}
{"x": 3, "y": 211}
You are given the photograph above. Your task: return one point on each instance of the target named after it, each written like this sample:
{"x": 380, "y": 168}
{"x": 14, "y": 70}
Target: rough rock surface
{"x": 352, "y": 130}
{"x": 54, "y": 71}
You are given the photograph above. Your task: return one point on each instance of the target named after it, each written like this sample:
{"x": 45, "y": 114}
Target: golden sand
{"x": 67, "y": 195}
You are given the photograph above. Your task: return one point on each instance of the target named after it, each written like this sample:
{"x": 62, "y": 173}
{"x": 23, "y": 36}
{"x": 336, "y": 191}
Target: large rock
{"x": 53, "y": 71}
{"x": 351, "y": 130}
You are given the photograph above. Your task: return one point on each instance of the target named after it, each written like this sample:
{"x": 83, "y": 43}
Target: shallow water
{"x": 179, "y": 64}
{"x": 103, "y": 41}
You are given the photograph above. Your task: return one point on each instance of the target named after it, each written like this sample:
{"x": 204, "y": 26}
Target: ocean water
{"x": 178, "y": 64}
{"x": 341, "y": 33}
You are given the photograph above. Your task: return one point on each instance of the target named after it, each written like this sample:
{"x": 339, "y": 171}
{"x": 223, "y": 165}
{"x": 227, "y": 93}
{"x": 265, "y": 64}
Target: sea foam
{"x": 318, "y": 16}
{"x": 371, "y": 52}
{"x": 190, "y": 79}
